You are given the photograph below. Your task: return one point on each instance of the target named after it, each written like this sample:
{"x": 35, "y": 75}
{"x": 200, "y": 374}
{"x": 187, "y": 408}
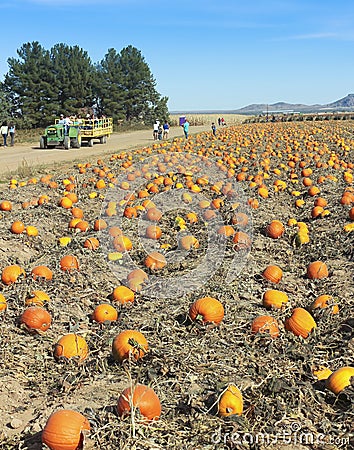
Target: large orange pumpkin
{"x": 242, "y": 241}
{"x": 71, "y": 345}
{"x": 272, "y": 298}
{"x": 265, "y": 324}
{"x": 123, "y": 294}
{"x": 317, "y": 270}
{"x": 42, "y": 273}
{"x": 230, "y": 402}
{"x": 63, "y": 430}
{"x": 104, "y": 313}
{"x": 144, "y": 399}
{"x": 129, "y": 343}
{"x": 36, "y": 318}
{"x": 301, "y": 323}
{"x": 17, "y": 227}
{"x": 69, "y": 263}
{"x": 340, "y": 379}
{"x": 10, "y": 274}
{"x": 275, "y": 229}
{"x": 273, "y": 273}
{"x": 207, "y": 310}
{"x": 155, "y": 261}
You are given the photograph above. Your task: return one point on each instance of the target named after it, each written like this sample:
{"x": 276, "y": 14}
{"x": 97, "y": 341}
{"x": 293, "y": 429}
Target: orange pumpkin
{"x": 130, "y": 212}
{"x": 115, "y": 231}
{"x": 340, "y": 379}
{"x": 207, "y": 310}
{"x": 82, "y": 225}
{"x": 188, "y": 242}
{"x": 138, "y": 274}
{"x": 273, "y": 298}
{"x": 77, "y": 213}
{"x": 265, "y": 324}
{"x": 10, "y": 274}
{"x": 63, "y": 430}
{"x": 153, "y": 214}
{"x": 301, "y": 323}
{"x": 273, "y": 274}
{"x": 226, "y": 230}
{"x": 3, "y": 304}
{"x": 242, "y": 241}
{"x": 5, "y": 205}
{"x": 155, "y": 261}
{"x": 275, "y": 229}
{"x": 317, "y": 270}
{"x": 92, "y": 243}
{"x": 104, "y": 312}
{"x": 129, "y": 343}
{"x": 351, "y": 214}
{"x": 122, "y": 244}
{"x": 36, "y": 318}
{"x": 71, "y": 345}
{"x": 37, "y": 298}
{"x": 17, "y": 227}
{"x": 69, "y": 263}
{"x": 42, "y": 273}
{"x": 65, "y": 202}
{"x": 230, "y": 402}
{"x": 123, "y": 294}
{"x": 153, "y": 232}
{"x": 240, "y": 219}
{"x": 322, "y": 303}
{"x": 144, "y": 399}
{"x": 320, "y": 201}
{"x": 100, "y": 224}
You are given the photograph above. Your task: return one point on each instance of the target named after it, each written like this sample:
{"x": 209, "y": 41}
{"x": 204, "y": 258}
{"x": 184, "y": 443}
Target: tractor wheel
{"x": 76, "y": 143}
{"x": 67, "y": 143}
{"x": 103, "y": 139}
{"x": 43, "y": 143}
{"x": 90, "y": 143}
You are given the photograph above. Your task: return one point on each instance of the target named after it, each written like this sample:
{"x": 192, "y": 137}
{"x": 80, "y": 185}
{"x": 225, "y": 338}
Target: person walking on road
{"x": 166, "y": 129}
{"x": 155, "y": 132}
{"x": 4, "y": 132}
{"x": 186, "y": 128}
{"x": 12, "y": 134}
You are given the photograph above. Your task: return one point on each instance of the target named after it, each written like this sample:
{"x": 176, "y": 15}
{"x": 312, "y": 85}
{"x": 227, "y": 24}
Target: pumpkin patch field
{"x": 194, "y": 294}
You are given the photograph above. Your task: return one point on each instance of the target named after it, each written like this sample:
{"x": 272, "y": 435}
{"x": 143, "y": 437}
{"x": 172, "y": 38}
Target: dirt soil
{"x": 30, "y": 155}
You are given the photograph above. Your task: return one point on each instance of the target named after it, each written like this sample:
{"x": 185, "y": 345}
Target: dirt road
{"x": 13, "y": 158}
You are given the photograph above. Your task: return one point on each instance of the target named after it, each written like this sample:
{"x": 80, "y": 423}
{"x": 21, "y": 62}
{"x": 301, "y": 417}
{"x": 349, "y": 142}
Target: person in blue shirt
{"x": 166, "y": 129}
{"x": 213, "y": 127}
{"x": 186, "y": 128}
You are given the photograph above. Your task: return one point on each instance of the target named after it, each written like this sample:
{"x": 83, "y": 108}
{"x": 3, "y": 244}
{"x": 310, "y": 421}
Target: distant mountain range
{"x": 344, "y": 104}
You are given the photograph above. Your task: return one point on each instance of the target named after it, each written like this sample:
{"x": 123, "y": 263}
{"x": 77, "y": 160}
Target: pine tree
{"x": 127, "y": 88}
{"x": 29, "y": 84}
{"x": 73, "y": 73}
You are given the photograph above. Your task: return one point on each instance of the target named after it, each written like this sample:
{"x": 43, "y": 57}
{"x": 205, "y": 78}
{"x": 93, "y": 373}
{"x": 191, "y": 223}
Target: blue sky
{"x": 204, "y": 55}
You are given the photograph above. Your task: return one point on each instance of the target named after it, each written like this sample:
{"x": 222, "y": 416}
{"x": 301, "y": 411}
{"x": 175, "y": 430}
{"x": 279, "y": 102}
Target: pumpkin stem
{"x": 135, "y": 344}
{"x": 199, "y": 318}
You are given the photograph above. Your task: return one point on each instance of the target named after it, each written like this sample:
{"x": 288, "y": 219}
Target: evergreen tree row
{"x": 41, "y": 84}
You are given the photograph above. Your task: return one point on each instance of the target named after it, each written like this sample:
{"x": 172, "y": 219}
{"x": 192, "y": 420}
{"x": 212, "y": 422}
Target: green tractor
{"x": 61, "y": 135}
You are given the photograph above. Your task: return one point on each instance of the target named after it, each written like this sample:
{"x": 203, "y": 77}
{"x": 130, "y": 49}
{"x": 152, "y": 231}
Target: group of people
{"x": 160, "y": 131}
{"x": 6, "y": 130}
{"x": 221, "y": 121}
